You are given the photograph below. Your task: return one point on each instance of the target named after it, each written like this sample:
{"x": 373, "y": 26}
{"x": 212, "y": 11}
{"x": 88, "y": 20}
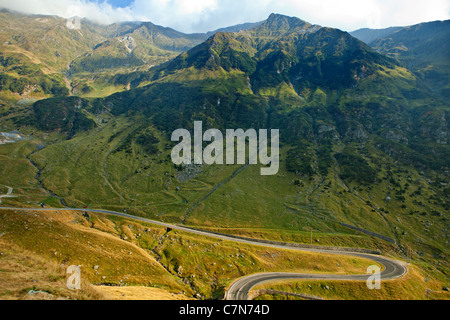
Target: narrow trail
{"x": 195, "y": 205}
{"x": 8, "y": 194}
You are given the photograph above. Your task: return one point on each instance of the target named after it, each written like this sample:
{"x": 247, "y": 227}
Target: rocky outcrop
{"x": 328, "y": 131}
{"x": 10, "y": 137}
{"x": 129, "y": 43}
{"x": 357, "y": 133}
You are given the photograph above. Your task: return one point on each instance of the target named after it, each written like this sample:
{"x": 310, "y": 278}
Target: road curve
{"x": 240, "y": 288}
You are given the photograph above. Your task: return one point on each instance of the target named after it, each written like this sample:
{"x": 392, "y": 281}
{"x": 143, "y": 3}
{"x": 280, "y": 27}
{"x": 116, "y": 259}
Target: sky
{"x": 206, "y": 15}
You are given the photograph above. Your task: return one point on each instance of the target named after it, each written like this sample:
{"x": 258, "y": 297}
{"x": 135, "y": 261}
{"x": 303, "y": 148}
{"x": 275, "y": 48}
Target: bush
{"x": 355, "y": 168}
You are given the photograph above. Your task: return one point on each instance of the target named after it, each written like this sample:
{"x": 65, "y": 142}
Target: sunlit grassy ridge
{"x": 41, "y": 57}
{"x": 416, "y": 285}
{"x": 117, "y": 251}
{"x": 423, "y": 49}
{"x": 23, "y": 271}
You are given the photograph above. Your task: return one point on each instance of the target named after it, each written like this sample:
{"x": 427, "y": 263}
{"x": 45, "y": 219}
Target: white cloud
{"x": 205, "y": 15}
{"x": 179, "y": 14}
{"x": 100, "y": 12}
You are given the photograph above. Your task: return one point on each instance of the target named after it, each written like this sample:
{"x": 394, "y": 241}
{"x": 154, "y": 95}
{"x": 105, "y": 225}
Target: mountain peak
{"x": 278, "y": 24}
{"x": 278, "y": 16}
{"x": 278, "y": 21}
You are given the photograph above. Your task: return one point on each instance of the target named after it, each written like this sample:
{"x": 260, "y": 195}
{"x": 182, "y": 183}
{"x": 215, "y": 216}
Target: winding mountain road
{"x": 239, "y": 289}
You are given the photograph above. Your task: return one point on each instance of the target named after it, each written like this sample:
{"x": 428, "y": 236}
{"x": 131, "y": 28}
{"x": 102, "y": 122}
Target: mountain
{"x": 364, "y": 141}
{"x": 367, "y": 35}
{"x": 143, "y": 44}
{"x": 34, "y": 52}
{"x": 236, "y": 28}
{"x": 50, "y": 59}
{"x": 422, "y": 48}
{"x": 284, "y": 54}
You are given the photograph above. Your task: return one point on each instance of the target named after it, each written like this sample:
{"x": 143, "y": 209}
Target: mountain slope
{"x": 35, "y": 51}
{"x": 50, "y": 59}
{"x": 424, "y": 49}
{"x": 368, "y": 36}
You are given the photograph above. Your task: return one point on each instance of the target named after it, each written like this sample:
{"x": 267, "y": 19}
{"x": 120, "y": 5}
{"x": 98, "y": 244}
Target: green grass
{"x": 38, "y": 274}
{"x": 343, "y": 239}
{"x": 131, "y": 253}
{"x": 17, "y": 172}
{"x": 88, "y": 170}
{"x": 416, "y": 285}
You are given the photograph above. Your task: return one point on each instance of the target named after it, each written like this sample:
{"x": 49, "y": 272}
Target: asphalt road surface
{"x": 240, "y": 288}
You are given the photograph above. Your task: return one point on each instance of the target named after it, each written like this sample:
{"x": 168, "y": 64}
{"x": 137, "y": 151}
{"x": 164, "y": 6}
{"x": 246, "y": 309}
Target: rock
{"x": 180, "y": 270}
{"x": 129, "y": 43}
{"x": 189, "y": 172}
{"x": 328, "y": 131}
{"x": 396, "y": 136}
{"x": 356, "y": 132}
{"x": 39, "y": 295}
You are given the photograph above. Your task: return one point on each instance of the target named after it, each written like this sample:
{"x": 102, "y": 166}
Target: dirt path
{"x": 8, "y": 194}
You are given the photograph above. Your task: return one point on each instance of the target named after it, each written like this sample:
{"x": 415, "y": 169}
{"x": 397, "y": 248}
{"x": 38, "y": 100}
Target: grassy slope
{"x": 65, "y": 58}
{"x": 416, "y": 285}
{"x": 134, "y": 183}
{"x": 88, "y": 170}
{"x": 22, "y": 270}
{"x": 135, "y": 254}
{"x": 43, "y": 44}
{"x": 424, "y": 50}
{"x": 315, "y": 204}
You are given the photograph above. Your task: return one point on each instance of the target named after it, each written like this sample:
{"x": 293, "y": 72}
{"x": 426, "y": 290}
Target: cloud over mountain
{"x": 205, "y": 15}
